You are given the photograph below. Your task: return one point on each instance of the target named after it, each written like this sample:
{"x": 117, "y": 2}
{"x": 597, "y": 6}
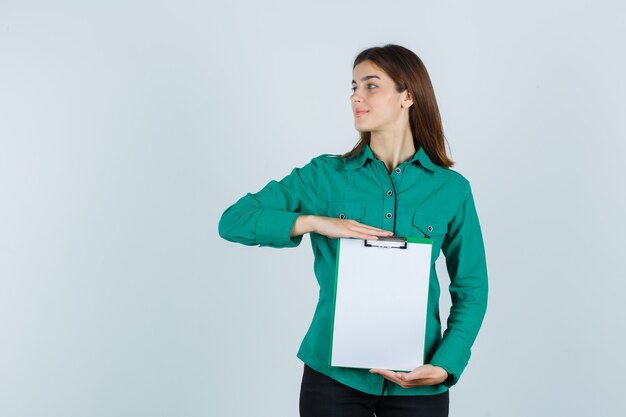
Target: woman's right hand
{"x": 337, "y": 228}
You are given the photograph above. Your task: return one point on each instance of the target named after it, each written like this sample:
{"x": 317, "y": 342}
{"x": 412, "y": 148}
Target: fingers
{"x": 366, "y": 236}
{"x": 369, "y": 232}
{"x": 352, "y": 228}
{"x": 390, "y": 375}
{"x": 404, "y": 379}
{"x": 371, "y": 228}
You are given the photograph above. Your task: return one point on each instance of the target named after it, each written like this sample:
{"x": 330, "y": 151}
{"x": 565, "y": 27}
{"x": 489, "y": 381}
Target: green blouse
{"x": 418, "y": 198}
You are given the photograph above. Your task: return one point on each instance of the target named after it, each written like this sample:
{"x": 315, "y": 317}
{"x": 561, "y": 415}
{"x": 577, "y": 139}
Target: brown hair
{"x": 407, "y": 70}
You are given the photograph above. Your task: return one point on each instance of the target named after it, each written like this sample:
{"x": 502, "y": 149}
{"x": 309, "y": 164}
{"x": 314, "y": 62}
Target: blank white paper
{"x": 380, "y": 306}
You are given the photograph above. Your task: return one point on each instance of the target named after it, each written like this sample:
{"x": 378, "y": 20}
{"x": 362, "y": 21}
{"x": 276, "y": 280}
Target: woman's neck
{"x": 392, "y": 150}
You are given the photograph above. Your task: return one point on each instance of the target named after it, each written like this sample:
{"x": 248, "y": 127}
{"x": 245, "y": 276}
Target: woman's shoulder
{"x": 322, "y": 166}
{"x": 453, "y": 176}
{"x": 328, "y": 161}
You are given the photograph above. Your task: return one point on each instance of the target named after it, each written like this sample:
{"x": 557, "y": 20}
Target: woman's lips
{"x": 361, "y": 113}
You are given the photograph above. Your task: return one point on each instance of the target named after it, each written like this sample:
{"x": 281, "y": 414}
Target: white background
{"x": 127, "y": 128}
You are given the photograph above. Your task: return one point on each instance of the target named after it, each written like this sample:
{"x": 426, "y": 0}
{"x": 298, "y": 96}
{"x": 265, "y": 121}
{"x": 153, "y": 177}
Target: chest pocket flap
{"x": 430, "y": 225}
{"x": 347, "y": 210}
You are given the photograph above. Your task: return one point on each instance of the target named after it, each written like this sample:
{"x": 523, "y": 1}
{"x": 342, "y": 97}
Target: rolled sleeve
{"x": 274, "y": 228}
{"x": 266, "y": 218}
{"x": 464, "y": 251}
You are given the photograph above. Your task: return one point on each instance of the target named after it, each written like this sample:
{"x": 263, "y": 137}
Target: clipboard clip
{"x": 391, "y": 242}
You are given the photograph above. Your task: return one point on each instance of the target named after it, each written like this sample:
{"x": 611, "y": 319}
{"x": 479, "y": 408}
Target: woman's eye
{"x": 354, "y": 88}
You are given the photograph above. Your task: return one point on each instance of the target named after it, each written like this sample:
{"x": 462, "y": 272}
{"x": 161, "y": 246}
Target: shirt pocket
{"x": 430, "y": 226}
{"x": 349, "y": 210}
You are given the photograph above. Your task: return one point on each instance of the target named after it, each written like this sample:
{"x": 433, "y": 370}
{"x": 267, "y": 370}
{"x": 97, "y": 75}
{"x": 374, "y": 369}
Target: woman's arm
{"x": 305, "y": 223}
{"x": 336, "y": 228}
{"x": 464, "y": 251}
{"x": 268, "y": 217}
{"x": 282, "y": 212}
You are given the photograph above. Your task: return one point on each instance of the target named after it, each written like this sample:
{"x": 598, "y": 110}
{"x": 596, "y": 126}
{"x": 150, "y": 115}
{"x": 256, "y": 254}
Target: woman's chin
{"x": 361, "y": 127}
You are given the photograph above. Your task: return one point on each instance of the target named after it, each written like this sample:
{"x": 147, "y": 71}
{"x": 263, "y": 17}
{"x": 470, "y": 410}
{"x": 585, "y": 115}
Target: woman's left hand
{"x": 422, "y": 375}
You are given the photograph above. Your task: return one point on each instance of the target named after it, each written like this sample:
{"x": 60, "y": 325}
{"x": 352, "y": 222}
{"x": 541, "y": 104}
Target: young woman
{"x": 395, "y": 181}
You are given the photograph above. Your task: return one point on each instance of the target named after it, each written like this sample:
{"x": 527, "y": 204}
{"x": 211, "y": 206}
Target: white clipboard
{"x": 381, "y": 298}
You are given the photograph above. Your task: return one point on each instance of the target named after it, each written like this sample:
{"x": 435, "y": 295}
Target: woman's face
{"x": 376, "y": 105}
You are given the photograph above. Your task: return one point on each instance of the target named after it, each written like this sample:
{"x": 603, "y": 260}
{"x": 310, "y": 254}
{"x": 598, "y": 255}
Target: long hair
{"x": 407, "y": 70}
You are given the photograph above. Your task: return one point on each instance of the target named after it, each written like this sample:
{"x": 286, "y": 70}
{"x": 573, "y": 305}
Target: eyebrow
{"x": 367, "y": 77}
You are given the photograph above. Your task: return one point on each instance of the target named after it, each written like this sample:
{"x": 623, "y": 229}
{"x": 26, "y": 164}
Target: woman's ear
{"x": 407, "y": 101}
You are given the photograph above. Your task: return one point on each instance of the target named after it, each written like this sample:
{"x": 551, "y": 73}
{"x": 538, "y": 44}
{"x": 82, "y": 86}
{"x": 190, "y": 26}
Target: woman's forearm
{"x": 304, "y": 224}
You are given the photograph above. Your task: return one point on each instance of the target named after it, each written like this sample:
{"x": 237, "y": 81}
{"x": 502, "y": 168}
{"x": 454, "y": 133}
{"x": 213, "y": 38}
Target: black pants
{"x": 322, "y": 396}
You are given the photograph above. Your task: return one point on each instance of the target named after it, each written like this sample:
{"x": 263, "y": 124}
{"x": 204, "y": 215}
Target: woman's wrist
{"x": 305, "y": 223}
